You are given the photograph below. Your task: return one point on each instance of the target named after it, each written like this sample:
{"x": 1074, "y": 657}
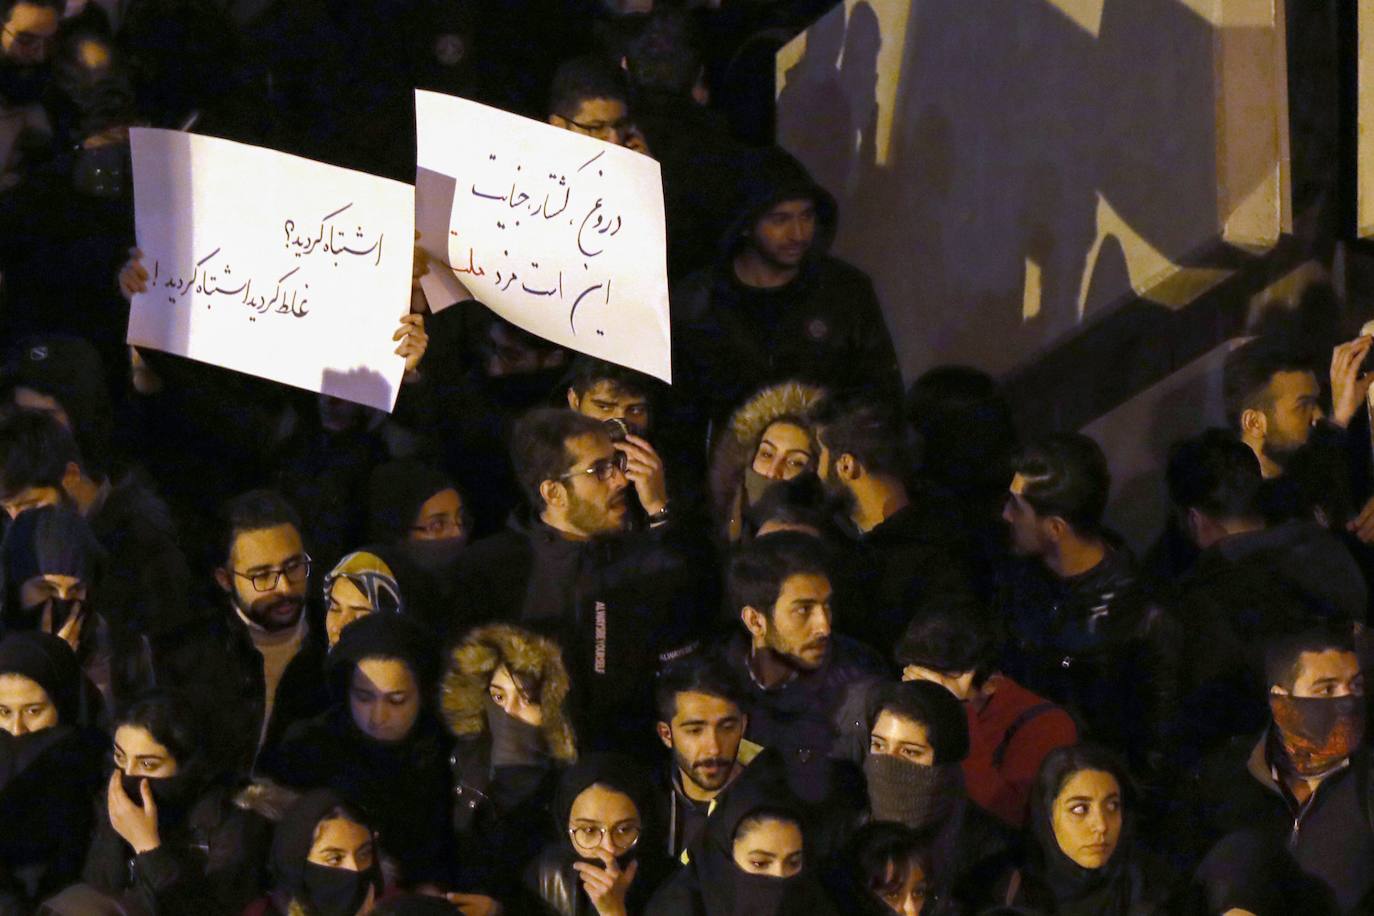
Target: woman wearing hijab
{"x": 751, "y": 857}
{"x": 606, "y": 861}
{"x": 769, "y": 439}
{"x": 503, "y": 700}
{"x": 361, "y": 584}
{"x": 325, "y": 861}
{"x": 1083, "y": 859}
{"x": 380, "y": 745}
{"x": 168, "y": 837}
{"x": 420, "y": 520}
{"x": 50, "y": 562}
{"x": 918, "y": 737}
{"x": 49, "y": 769}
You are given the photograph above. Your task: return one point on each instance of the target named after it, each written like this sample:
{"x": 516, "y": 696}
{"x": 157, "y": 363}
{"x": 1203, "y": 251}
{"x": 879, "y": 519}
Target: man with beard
{"x": 256, "y": 668}
{"x": 701, "y": 721}
{"x": 620, "y": 603}
{"x": 797, "y": 674}
{"x": 1272, "y": 401}
{"x": 27, "y": 31}
{"x": 1305, "y": 781}
{"x": 910, "y": 544}
{"x": 1083, "y": 633}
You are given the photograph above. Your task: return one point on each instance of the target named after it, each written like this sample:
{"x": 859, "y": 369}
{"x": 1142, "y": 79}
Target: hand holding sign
{"x": 558, "y": 233}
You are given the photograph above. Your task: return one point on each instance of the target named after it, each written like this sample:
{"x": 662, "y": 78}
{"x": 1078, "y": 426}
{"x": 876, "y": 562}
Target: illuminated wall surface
{"x": 1010, "y": 170}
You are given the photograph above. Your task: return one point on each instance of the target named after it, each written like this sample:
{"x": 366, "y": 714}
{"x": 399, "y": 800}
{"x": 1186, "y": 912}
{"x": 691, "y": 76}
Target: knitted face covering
{"x": 909, "y": 793}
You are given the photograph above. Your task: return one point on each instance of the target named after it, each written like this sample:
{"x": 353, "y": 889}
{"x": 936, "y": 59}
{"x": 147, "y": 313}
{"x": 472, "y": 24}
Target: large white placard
{"x": 557, "y": 232}
{"x": 273, "y": 265}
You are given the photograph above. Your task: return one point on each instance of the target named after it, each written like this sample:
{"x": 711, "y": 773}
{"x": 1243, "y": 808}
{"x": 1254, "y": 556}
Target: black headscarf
{"x": 724, "y": 887}
{"x": 386, "y": 636}
{"x": 1069, "y": 888}
{"x": 50, "y": 663}
{"x": 294, "y": 836}
{"x": 908, "y": 793}
{"x": 614, "y": 771}
{"x": 50, "y": 540}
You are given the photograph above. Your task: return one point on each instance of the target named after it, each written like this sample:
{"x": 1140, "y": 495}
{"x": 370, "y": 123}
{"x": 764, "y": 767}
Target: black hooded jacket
{"x": 293, "y": 838}
{"x": 553, "y": 885}
{"x": 824, "y": 327}
{"x": 402, "y": 786}
{"x": 712, "y": 884}
{"x": 48, "y": 778}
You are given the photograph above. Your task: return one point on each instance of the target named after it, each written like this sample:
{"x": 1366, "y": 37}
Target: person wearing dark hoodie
{"x": 502, "y": 699}
{"x": 380, "y": 745}
{"x": 50, "y": 762}
{"x": 885, "y": 869}
{"x": 419, "y": 520}
{"x": 1250, "y": 581}
{"x": 169, "y": 838}
{"x": 1084, "y": 858}
{"x": 775, "y": 305}
{"x": 754, "y": 856}
{"x": 607, "y": 859}
{"x": 51, "y": 567}
{"x": 621, "y": 603}
{"x": 325, "y": 861}
{"x": 918, "y": 737}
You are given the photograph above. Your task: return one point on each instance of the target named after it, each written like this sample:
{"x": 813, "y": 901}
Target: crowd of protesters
{"x": 556, "y": 638}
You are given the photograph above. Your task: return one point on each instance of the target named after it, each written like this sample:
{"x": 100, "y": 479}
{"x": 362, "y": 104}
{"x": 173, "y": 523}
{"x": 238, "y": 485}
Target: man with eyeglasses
{"x": 256, "y": 669}
{"x": 620, "y": 602}
{"x": 27, "y": 31}
{"x": 589, "y": 98}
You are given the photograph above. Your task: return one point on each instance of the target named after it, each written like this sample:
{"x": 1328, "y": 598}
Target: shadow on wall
{"x": 1039, "y": 160}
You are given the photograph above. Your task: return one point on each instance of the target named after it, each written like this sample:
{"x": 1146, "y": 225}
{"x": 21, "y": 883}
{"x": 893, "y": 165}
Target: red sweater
{"x": 1004, "y": 791}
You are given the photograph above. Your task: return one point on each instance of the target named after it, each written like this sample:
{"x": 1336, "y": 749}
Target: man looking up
{"x": 1272, "y": 401}
{"x": 910, "y": 546}
{"x": 701, "y": 721}
{"x": 620, "y": 602}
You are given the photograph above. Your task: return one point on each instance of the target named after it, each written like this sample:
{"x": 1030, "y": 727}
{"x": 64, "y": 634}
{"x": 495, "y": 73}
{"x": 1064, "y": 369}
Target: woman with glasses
{"x": 607, "y": 862}
{"x": 381, "y": 746}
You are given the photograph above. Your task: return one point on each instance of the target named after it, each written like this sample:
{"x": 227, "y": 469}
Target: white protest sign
{"x": 558, "y": 233}
{"x": 272, "y": 265}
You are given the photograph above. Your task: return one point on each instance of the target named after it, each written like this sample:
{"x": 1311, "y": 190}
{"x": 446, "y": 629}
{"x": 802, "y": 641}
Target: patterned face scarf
{"x": 1318, "y": 733}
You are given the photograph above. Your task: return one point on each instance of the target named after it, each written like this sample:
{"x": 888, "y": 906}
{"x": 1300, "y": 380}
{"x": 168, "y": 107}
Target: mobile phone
{"x": 617, "y": 429}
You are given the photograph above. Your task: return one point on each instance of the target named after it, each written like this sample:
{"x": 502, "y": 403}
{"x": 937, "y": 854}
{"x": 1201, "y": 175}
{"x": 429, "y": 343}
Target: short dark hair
{"x": 587, "y": 372}
{"x": 702, "y": 674}
{"x": 665, "y": 56}
{"x": 802, "y": 500}
{"x": 1283, "y": 652}
{"x": 759, "y": 569}
{"x": 952, "y": 635}
{"x": 868, "y": 431}
{"x": 1215, "y": 473}
{"x": 35, "y": 450}
{"x": 581, "y": 78}
{"x": 255, "y": 510}
{"x": 963, "y": 425}
{"x": 930, "y": 705}
{"x": 1248, "y": 370}
{"x": 539, "y": 446}
{"x": 1066, "y": 476}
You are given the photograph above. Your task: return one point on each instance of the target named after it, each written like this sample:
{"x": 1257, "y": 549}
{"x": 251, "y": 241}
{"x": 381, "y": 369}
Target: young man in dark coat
{"x": 620, "y": 603}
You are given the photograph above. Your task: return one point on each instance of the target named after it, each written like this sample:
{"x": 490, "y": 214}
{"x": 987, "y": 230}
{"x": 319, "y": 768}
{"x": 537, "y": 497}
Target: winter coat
{"x": 502, "y": 814}
{"x": 620, "y": 607}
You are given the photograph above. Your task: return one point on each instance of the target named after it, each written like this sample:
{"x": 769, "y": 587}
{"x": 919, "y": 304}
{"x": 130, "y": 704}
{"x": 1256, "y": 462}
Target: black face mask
{"x": 761, "y": 895}
{"x": 337, "y": 891}
{"x": 31, "y": 617}
{"x": 23, "y": 84}
{"x": 19, "y": 752}
{"x": 437, "y": 558}
{"x": 173, "y": 795}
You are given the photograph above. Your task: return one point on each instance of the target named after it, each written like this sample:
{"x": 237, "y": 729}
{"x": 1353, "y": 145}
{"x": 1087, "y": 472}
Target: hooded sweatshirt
{"x": 401, "y": 786}
{"x": 291, "y": 843}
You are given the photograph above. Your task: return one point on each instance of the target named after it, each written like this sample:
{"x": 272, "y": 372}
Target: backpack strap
{"x": 1025, "y": 718}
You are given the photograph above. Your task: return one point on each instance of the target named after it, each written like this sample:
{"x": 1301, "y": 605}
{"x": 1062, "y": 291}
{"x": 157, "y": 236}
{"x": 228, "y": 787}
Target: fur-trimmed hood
{"x": 535, "y": 657}
{"x": 735, "y": 449}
